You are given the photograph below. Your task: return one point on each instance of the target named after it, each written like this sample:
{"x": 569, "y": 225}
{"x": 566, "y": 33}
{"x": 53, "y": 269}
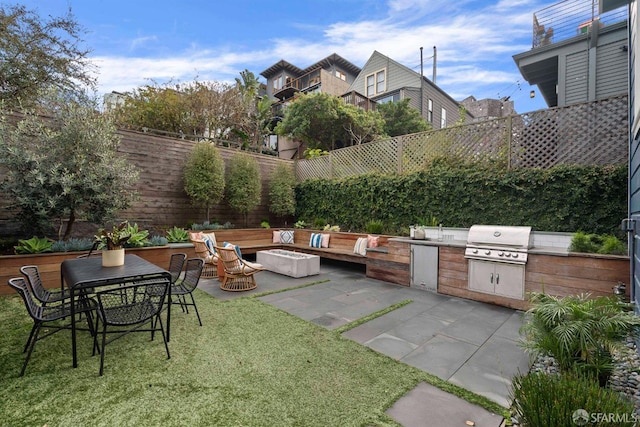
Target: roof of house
{"x": 331, "y": 59}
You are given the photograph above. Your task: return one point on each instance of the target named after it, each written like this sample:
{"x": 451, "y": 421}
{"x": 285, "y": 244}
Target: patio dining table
{"x": 83, "y": 274}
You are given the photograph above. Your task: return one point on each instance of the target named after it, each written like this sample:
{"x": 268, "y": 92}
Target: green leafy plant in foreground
{"x": 34, "y": 245}
{"x": 580, "y": 332}
{"x": 595, "y": 243}
{"x": 138, "y": 238}
{"x": 543, "y": 400}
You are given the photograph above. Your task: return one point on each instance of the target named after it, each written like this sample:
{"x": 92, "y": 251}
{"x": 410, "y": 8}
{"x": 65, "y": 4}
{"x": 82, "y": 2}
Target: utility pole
{"x": 435, "y": 58}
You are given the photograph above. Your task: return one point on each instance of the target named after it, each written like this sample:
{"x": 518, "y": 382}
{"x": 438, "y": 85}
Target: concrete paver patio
{"x": 468, "y": 343}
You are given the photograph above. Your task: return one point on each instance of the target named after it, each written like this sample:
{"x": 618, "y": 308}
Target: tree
{"x": 315, "y": 119}
{"x": 65, "y": 166}
{"x": 208, "y": 109}
{"x": 204, "y": 176}
{"x": 282, "y": 194}
{"x": 37, "y": 55}
{"x": 402, "y": 119}
{"x": 244, "y": 187}
{"x": 362, "y": 126}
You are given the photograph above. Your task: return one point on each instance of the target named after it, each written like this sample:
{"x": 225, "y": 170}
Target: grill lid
{"x": 500, "y": 236}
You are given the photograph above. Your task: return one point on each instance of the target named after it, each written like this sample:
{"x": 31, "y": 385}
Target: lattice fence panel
{"x": 594, "y": 133}
{"x": 589, "y": 133}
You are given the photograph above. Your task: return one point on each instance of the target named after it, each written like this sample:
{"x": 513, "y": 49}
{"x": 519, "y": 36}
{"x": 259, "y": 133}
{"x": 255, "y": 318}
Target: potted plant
{"x": 112, "y": 244}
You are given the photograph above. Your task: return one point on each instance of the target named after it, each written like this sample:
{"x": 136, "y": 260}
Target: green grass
{"x": 251, "y": 364}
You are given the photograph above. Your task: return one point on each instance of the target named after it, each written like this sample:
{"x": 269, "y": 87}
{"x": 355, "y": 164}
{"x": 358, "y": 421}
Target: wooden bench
{"x": 340, "y": 248}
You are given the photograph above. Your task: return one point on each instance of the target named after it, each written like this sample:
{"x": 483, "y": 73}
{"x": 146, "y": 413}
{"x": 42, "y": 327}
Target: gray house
{"x": 384, "y": 80}
{"x": 579, "y": 56}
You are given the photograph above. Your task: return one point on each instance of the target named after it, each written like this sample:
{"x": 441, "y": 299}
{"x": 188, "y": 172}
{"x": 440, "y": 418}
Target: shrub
{"x": 177, "y": 235}
{"x": 156, "y": 241}
{"x": 204, "y": 179}
{"x": 265, "y": 224}
{"x": 543, "y": 400}
{"x": 374, "y": 227}
{"x": 138, "y": 237}
{"x": 72, "y": 245}
{"x": 595, "y": 243}
{"x": 244, "y": 186}
{"x": 319, "y": 223}
{"x": 282, "y": 191}
{"x": 300, "y": 224}
{"x": 34, "y": 245}
{"x": 210, "y": 226}
{"x": 580, "y": 332}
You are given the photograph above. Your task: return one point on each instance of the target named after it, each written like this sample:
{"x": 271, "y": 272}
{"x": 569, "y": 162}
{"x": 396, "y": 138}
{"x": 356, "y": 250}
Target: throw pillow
{"x": 325, "y": 240}
{"x": 372, "y": 241}
{"x": 209, "y": 239}
{"x": 286, "y": 236}
{"x": 276, "y": 236}
{"x": 195, "y": 236}
{"x": 236, "y": 247}
{"x": 360, "y": 247}
{"x": 316, "y": 240}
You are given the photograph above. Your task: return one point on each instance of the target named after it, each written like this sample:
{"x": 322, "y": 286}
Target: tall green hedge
{"x": 564, "y": 198}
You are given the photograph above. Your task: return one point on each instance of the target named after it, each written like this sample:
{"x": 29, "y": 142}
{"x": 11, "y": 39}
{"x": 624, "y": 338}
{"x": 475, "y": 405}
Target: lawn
{"x": 250, "y": 365}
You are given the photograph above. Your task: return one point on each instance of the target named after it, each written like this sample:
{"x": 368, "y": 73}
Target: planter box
{"x": 49, "y": 264}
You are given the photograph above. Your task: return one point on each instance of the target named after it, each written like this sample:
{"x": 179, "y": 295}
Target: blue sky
{"x": 138, "y": 41}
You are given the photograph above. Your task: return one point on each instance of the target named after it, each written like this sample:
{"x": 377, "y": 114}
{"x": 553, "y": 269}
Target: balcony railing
{"x": 571, "y": 18}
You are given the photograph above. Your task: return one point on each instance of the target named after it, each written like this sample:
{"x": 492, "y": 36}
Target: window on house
{"x": 391, "y": 98}
{"x": 371, "y": 88}
{"x": 443, "y": 119}
{"x": 342, "y": 76}
{"x": 430, "y": 111}
{"x": 376, "y": 83}
{"x": 277, "y": 83}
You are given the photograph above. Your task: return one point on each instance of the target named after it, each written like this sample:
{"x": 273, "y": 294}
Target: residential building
{"x": 579, "y": 56}
{"x": 485, "y": 109}
{"x": 384, "y": 80}
{"x": 332, "y": 75}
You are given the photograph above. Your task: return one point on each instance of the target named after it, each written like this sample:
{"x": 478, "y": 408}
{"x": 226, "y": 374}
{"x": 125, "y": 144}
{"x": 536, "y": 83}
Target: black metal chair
{"x": 129, "y": 308}
{"x": 181, "y": 288}
{"x": 176, "y": 264}
{"x": 48, "y": 315}
{"x": 45, "y": 296}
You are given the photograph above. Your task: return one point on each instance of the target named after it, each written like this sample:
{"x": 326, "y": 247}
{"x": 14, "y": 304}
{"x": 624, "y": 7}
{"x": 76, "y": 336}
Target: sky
{"x": 138, "y": 42}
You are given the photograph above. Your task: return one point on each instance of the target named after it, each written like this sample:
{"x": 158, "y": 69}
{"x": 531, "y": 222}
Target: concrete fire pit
{"x": 289, "y": 263}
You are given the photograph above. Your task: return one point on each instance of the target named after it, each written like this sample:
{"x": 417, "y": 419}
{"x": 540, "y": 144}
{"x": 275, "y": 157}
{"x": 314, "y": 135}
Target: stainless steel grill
{"x": 499, "y": 243}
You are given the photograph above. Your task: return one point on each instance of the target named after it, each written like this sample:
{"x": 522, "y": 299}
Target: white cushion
{"x": 360, "y": 247}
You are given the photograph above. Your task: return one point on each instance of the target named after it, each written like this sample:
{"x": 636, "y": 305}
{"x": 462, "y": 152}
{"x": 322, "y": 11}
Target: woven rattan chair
{"x": 210, "y": 269}
{"x": 131, "y": 308}
{"x": 48, "y": 316}
{"x": 238, "y": 273}
{"x": 45, "y": 296}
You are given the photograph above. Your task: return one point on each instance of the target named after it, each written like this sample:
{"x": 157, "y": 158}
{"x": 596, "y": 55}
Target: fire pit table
{"x": 289, "y": 263}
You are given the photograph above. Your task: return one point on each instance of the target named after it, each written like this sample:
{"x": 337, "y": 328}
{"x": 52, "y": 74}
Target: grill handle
{"x": 498, "y": 279}
{"x": 492, "y": 278}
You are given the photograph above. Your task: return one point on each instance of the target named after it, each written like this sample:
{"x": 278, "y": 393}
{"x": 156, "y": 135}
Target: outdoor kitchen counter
{"x": 538, "y": 250}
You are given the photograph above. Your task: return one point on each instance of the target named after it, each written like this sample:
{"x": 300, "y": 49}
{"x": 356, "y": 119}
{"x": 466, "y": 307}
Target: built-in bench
{"x": 341, "y": 244}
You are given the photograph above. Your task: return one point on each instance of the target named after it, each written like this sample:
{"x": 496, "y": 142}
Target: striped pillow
{"x": 360, "y": 247}
{"x": 316, "y": 240}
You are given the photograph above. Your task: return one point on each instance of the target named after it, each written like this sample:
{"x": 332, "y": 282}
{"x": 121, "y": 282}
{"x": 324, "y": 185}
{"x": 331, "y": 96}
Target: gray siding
{"x": 576, "y": 88}
{"x": 612, "y": 70}
{"x": 407, "y": 82}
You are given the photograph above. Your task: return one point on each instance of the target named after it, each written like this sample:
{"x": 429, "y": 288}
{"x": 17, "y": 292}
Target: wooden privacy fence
{"x": 594, "y": 133}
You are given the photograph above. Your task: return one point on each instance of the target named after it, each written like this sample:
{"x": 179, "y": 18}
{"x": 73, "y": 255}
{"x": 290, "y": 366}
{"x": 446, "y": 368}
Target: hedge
{"x": 564, "y": 198}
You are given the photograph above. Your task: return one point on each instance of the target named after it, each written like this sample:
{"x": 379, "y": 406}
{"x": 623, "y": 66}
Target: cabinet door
{"x": 509, "y": 280}
{"x": 481, "y": 276}
{"x": 424, "y": 267}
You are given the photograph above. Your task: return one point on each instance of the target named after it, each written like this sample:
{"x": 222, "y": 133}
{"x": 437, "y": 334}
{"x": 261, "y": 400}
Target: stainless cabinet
{"x": 424, "y": 267}
{"x": 497, "y": 278}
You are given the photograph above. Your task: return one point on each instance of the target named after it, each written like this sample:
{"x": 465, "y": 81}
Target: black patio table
{"x": 87, "y": 273}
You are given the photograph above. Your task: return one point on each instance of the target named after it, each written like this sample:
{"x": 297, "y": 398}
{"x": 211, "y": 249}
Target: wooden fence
{"x": 162, "y": 201}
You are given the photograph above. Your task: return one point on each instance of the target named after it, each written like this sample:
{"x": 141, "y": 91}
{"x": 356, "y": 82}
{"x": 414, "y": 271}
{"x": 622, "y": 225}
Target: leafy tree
{"x": 204, "y": 176}
{"x": 282, "y": 192}
{"x": 209, "y": 109}
{"x": 65, "y": 166}
{"x": 402, "y": 119}
{"x": 316, "y": 119}
{"x": 244, "y": 187}
{"x": 255, "y": 127}
{"x": 37, "y": 54}
{"x": 362, "y": 126}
